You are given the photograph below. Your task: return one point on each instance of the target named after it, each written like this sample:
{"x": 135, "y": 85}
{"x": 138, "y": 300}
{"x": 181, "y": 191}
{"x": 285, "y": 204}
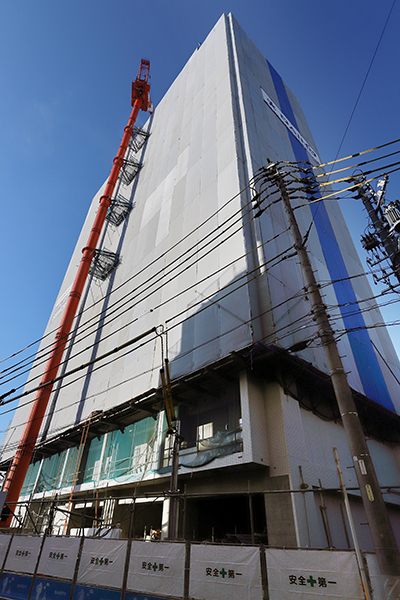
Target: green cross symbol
{"x": 223, "y": 572}
{"x": 311, "y": 581}
{"x": 101, "y": 561}
{"x": 155, "y": 567}
{"x": 58, "y": 556}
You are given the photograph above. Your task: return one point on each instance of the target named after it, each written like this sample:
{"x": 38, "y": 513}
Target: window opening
{"x": 129, "y": 453}
{"x": 204, "y": 432}
{"x": 210, "y": 426}
{"x": 226, "y": 519}
{"x": 50, "y": 473}
{"x": 212, "y": 412}
{"x": 30, "y": 478}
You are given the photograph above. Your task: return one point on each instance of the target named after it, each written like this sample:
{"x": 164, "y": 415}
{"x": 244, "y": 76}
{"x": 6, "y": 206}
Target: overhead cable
{"x": 366, "y": 77}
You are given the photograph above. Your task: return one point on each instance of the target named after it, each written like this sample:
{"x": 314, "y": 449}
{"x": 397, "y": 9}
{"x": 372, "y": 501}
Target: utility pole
{"x": 386, "y": 549}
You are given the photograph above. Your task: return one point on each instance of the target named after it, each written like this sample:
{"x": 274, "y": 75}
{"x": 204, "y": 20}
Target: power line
{"x": 173, "y": 247}
{"x": 365, "y": 79}
{"x": 135, "y": 290}
{"x": 60, "y": 377}
{"x": 161, "y": 272}
{"x": 190, "y": 233}
{"x": 189, "y": 288}
{"x": 146, "y": 291}
{"x": 182, "y": 355}
{"x": 301, "y": 327}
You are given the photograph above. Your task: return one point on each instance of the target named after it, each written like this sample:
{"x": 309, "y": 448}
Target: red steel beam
{"x": 17, "y": 471}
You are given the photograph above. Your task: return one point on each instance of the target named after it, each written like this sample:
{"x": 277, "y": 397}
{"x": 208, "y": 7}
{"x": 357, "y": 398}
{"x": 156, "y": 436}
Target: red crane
{"x": 17, "y": 471}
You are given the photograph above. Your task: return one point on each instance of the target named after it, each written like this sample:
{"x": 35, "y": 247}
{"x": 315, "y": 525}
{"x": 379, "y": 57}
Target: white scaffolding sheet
{"x": 58, "y": 558}
{"x": 384, "y": 587}
{"x": 102, "y": 562}
{"x": 157, "y": 568}
{"x": 4, "y": 543}
{"x": 23, "y": 554}
{"x": 225, "y": 573}
{"x": 312, "y": 574}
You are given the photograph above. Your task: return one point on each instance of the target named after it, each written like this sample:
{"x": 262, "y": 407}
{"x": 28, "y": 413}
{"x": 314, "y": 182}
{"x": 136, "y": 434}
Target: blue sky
{"x": 65, "y": 75}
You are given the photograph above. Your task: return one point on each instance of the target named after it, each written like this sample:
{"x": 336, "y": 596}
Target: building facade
{"x": 187, "y": 271}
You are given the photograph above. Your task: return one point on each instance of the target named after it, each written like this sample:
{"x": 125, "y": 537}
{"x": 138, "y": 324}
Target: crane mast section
{"x": 17, "y": 471}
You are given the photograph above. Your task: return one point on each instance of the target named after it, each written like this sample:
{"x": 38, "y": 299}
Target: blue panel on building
{"x": 367, "y": 363}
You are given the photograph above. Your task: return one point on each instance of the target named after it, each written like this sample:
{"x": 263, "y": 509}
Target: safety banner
{"x": 225, "y": 573}
{"x": 58, "y": 558}
{"x": 15, "y": 586}
{"x": 4, "y": 543}
{"x": 311, "y": 574}
{"x": 102, "y": 562}
{"x": 46, "y": 589}
{"x": 84, "y": 592}
{"x": 157, "y": 568}
{"x": 23, "y": 554}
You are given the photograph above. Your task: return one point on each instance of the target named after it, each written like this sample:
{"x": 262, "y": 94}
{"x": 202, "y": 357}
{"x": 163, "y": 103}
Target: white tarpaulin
{"x": 4, "y": 543}
{"x": 58, "y": 557}
{"x": 382, "y": 586}
{"x": 23, "y": 554}
{"x": 102, "y": 562}
{"x": 311, "y": 574}
{"x": 157, "y": 568}
{"x": 375, "y": 577}
{"x": 225, "y": 573}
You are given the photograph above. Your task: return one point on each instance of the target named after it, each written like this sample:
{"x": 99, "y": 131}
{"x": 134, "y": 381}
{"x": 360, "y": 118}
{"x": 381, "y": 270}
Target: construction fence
{"x": 73, "y": 568}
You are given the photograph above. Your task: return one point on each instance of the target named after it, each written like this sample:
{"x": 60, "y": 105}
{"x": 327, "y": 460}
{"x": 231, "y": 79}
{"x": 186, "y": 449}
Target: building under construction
{"x": 194, "y": 383}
